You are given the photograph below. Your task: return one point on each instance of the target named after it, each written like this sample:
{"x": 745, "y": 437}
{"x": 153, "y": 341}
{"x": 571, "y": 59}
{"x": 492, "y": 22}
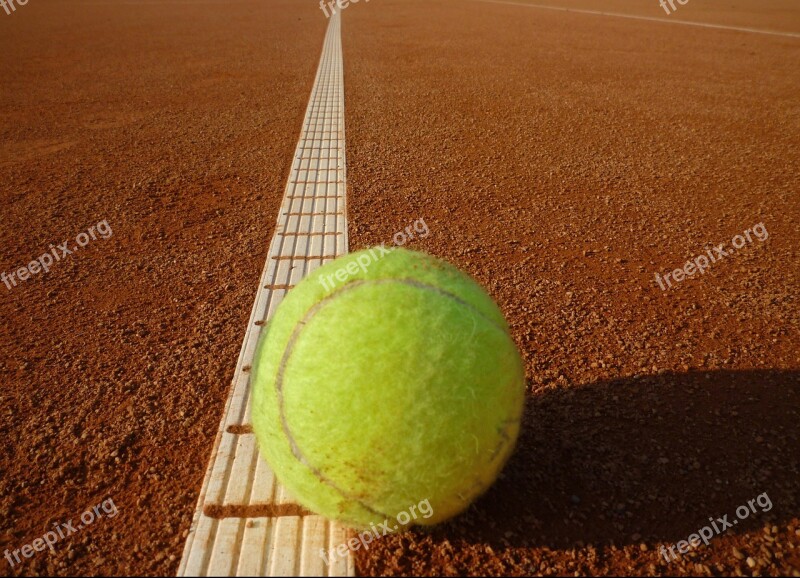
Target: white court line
{"x": 246, "y": 523}
{"x": 648, "y": 18}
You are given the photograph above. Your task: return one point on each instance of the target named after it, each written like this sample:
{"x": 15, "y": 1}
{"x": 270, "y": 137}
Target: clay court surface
{"x": 561, "y": 158}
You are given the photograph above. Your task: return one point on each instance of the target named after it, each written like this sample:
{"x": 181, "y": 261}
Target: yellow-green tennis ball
{"x": 384, "y": 379}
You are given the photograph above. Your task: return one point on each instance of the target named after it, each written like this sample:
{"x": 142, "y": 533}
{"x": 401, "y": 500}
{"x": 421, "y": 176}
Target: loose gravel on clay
{"x": 561, "y": 158}
{"x": 175, "y": 122}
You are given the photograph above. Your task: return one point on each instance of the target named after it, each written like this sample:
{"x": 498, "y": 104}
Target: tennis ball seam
{"x": 307, "y": 316}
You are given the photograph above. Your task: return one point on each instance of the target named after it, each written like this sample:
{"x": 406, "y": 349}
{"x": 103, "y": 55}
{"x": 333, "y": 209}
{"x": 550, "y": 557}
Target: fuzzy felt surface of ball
{"x": 384, "y": 379}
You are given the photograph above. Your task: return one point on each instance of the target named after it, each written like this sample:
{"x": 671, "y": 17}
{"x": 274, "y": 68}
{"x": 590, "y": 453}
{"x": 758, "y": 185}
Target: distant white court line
{"x": 246, "y": 523}
{"x": 649, "y": 18}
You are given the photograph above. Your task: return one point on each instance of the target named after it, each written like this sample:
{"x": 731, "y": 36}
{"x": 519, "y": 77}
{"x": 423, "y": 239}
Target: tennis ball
{"x": 386, "y": 378}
